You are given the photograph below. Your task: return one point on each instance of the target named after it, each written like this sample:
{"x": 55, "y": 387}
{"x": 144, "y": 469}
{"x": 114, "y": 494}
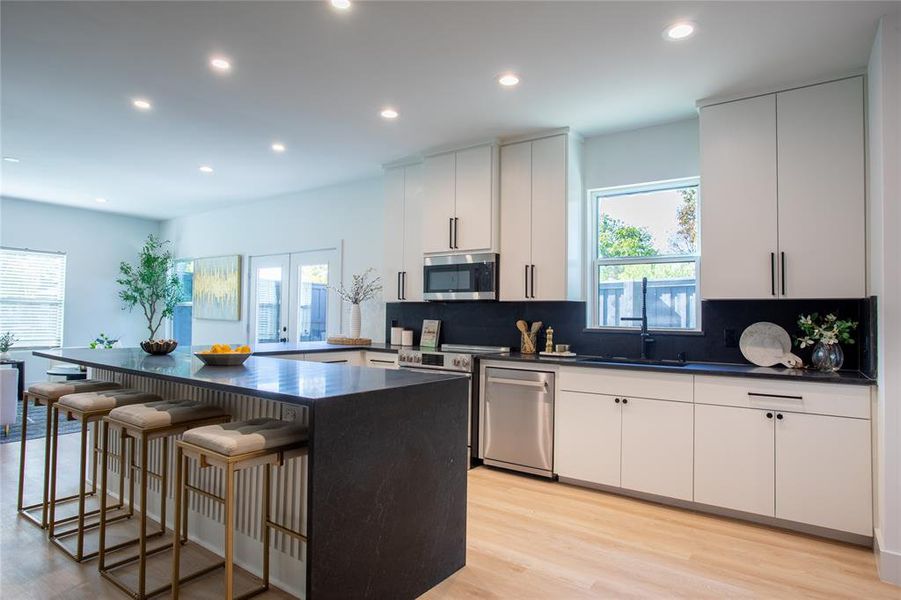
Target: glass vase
{"x": 827, "y": 357}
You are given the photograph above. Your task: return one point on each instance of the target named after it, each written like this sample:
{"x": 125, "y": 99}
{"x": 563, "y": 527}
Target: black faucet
{"x": 646, "y": 338}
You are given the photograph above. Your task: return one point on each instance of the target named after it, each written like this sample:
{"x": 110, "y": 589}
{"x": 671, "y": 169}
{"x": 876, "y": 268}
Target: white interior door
{"x": 315, "y": 311}
{"x": 269, "y": 299}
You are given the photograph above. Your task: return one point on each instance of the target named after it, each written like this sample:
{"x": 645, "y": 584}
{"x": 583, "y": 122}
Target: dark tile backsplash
{"x": 493, "y": 324}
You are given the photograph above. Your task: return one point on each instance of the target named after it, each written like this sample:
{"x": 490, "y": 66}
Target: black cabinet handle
{"x": 450, "y": 233}
{"x": 456, "y": 232}
{"x": 773, "y": 273}
{"x": 779, "y": 416}
{"x": 758, "y": 395}
{"x": 398, "y": 284}
{"x": 783, "y": 273}
{"x": 525, "y": 279}
{"x": 625, "y": 400}
{"x": 616, "y": 400}
{"x": 403, "y": 285}
{"x": 769, "y": 415}
{"x": 532, "y": 293}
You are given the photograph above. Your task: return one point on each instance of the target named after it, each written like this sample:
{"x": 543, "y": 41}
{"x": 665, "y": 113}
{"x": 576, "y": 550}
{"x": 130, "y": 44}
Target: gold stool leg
{"x": 104, "y": 459}
{"x": 19, "y": 502}
{"x": 47, "y": 444}
{"x": 176, "y": 526}
{"x": 52, "y": 416}
{"x": 267, "y": 479}
{"x": 142, "y": 535}
{"x": 82, "y": 478}
{"x": 96, "y": 447}
{"x": 164, "y": 482}
{"x": 229, "y": 531}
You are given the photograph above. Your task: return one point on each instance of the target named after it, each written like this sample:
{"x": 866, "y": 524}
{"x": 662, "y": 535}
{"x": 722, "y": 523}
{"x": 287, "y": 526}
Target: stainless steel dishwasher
{"x": 519, "y": 420}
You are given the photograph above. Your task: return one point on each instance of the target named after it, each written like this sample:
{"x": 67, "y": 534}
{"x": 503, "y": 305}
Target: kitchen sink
{"x": 623, "y": 360}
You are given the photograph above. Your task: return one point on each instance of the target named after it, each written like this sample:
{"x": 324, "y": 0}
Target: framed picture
{"x": 217, "y": 288}
{"x": 431, "y": 329}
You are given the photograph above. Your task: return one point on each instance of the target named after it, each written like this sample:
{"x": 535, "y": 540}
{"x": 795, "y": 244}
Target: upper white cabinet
{"x": 738, "y": 199}
{"x": 460, "y": 201}
{"x": 403, "y": 231}
{"x": 540, "y": 211}
{"x": 782, "y": 194}
{"x": 822, "y": 207}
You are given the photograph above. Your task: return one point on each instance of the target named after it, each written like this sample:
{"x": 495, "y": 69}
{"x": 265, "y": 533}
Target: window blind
{"x": 32, "y": 295}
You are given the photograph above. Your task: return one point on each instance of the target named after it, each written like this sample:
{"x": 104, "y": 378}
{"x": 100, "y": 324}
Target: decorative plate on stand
{"x": 766, "y": 344}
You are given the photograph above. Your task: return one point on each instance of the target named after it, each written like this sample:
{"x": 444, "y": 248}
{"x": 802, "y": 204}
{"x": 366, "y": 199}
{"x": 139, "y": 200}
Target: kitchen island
{"x": 381, "y": 495}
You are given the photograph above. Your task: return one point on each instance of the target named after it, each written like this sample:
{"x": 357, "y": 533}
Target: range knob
{"x": 417, "y": 359}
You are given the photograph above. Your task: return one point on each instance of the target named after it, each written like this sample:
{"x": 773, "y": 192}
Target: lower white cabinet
{"x": 812, "y": 469}
{"x": 380, "y": 360}
{"x": 735, "y": 458}
{"x": 587, "y": 437}
{"x": 635, "y": 443}
{"x": 352, "y": 357}
{"x": 657, "y": 447}
{"x": 823, "y": 473}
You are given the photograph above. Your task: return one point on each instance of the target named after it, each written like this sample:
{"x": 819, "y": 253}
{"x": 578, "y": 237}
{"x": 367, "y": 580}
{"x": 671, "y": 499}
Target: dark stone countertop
{"x": 285, "y": 380}
{"x": 698, "y": 368}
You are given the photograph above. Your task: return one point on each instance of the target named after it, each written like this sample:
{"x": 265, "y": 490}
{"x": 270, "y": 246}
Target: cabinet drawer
{"x": 816, "y": 398}
{"x": 638, "y": 384}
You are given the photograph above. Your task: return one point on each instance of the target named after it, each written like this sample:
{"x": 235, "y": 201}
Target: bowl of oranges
{"x": 223, "y": 355}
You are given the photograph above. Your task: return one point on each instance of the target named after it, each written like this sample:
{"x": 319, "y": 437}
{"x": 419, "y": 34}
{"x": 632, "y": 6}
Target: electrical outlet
{"x": 730, "y": 339}
{"x": 289, "y": 413}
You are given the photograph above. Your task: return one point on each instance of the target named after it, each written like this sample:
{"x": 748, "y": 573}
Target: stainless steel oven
{"x": 460, "y": 277}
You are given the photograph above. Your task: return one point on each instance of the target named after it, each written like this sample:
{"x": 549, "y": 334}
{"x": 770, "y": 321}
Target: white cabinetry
{"x": 460, "y": 201}
{"x": 351, "y": 357}
{"x": 621, "y": 440}
{"x": 380, "y": 360}
{"x": 540, "y": 192}
{"x": 403, "y": 231}
{"x": 761, "y": 448}
{"x": 782, "y": 178}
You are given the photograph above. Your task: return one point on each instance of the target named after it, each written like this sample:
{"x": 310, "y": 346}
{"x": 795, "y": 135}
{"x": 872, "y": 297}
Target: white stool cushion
{"x": 107, "y": 399}
{"x": 165, "y": 412}
{"x": 55, "y": 389}
{"x": 241, "y": 437}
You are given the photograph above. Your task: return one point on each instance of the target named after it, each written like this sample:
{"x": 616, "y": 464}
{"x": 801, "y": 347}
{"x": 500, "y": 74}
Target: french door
{"x": 289, "y": 296}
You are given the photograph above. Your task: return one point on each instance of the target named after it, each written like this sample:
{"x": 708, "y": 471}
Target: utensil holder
{"x": 528, "y": 344}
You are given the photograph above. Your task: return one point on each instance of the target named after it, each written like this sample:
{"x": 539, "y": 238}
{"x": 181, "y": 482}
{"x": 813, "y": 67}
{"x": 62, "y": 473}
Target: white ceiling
{"x": 316, "y": 79}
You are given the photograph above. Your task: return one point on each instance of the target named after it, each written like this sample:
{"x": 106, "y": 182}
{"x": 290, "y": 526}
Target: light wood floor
{"x": 530, "y": 538}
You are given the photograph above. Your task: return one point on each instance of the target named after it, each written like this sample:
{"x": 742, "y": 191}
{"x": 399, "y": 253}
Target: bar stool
{"x": 233, "y": 447}
{"x": 48, "y": 394}
{"x": 143, "y": 423}
{"x": 87, "y": 407}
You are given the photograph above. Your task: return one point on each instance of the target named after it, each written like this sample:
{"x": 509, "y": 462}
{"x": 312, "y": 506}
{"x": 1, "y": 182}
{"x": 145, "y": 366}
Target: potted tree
{"x": 152, "y": 285}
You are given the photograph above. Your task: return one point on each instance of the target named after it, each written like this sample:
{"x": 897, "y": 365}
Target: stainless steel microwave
{"x": 460, "y": 277}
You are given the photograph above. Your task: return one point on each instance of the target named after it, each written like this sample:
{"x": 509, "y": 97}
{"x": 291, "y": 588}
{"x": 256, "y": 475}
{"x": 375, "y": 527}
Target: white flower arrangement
{"x": 361, "y": 288}
{"x": 831, "y": 330}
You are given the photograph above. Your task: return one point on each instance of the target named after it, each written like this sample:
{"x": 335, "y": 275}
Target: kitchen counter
{"x": 697, "y": 368}
{"x": 381, "y": 493}
{"x": 263, "y": 375}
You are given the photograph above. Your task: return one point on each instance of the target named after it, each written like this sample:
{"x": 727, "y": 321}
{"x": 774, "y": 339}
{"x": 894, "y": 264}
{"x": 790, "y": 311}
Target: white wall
{"x": 884, "y": 213}
{"x": 668, "y": 151}
{"x": 351, "y": 214}
{"x": 95, "y": 243}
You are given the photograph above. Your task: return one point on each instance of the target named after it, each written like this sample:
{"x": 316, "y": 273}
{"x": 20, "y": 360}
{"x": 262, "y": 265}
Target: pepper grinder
{"x": 549, "y": 344}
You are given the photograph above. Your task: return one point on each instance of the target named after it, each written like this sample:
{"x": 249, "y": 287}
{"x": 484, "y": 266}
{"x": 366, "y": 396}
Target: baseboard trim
{"x": 833, "y": 534}
{"x": 888, "y": 563}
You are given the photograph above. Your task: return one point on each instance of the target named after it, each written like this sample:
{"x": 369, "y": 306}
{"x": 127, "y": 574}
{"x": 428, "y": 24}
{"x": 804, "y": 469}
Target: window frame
{"x": 62, "y": 300}
{"x": 594, "y": 261}
{"x": 171, "y": 321}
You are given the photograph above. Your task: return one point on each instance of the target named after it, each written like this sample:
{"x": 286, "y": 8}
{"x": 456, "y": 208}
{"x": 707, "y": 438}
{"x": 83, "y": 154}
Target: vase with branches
{"x": 826, "y": 335}
{"x": 151, "y": 285}
{"x": 361, "y": 289}
{"x": 7, "y": 341}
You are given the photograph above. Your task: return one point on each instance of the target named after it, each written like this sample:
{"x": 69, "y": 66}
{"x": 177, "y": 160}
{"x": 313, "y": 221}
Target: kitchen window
{"x": 648, "y": 230}
{"x": 184, "y": 310}
{"x": 32, "y": 297}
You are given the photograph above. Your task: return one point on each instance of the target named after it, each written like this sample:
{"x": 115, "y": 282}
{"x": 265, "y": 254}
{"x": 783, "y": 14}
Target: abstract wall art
{"x": 217, "y": 288}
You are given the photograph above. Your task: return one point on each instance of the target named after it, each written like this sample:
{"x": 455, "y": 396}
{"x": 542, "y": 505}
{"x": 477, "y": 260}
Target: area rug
{"x": 37, "y": 423}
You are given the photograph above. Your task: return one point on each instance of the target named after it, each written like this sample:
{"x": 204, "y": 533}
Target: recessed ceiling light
{"x": 341, "y": 4}
{"x": 278, "y": 147}
{"x": 206, "y": 169}
{"x": 218, "y": 63}
{"x": 679, "y": 31}
{"x": 508, "y": 79}
{"x": 100, "y": 200}
{"x": 141, "y": 104}
{"x": 389, "y": 113}
{"x": 10, "y": 159}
